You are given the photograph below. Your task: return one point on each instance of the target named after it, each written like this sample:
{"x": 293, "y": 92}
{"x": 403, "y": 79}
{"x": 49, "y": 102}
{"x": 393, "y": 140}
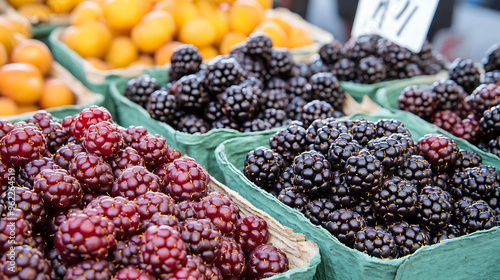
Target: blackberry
{"x": 448, "y": 232}
{"x": 93, "y": 173}
{"x": 325, "y": 136}
{"x": 492, "y": 77}
{"x": 395, "y": 57}
{"x": 341, "y": 149}
{"x": 363, "y": 131}
{"x": 22, "y": 145}
{"x": 474, "y": 182}
{"x": 491, "y": 60}
{"x": 467, "y": 159}
{"x": 281, "y": 63}
{"x": 371, "y": 70}
{"x": 344, "y": 224}
{"x": 468, "y": 129}
{"x": 103, "y": 139}
{"x": 317, "y": 210}
{"x": 345, "y": 70}
{"x": 185, "y": 179}
{"x": 291, "y": 197}
{"x": 478, "y": 216}
{"x": 493, "y": 146}
{"x": 265, "y": 261}
{"x": 441, "y": 179}
{"x": 53, "y": 131}
{"x": 387, "y": 150}
{"x": 24, "y": 262}
{"x": 90, "y": 270}
{"x": 231, "y": 260}
{"x": 299, "y": 86}
{"x": 490, "y": 121}
{"x": 285, "y": 180}
{"x": 139, "y": 89}
{"x": 290, "y": 141}
{"x": 220, "y": 209}
{"x": 326, "y": 87}
{"x": 225, "y": 122}
{"x": 135, "y": 181}
{"x": 202, "y": 238}
{"x": 312, "y": 173}
{"x": 57, "y": 188}
{"x": 263, "y": 167}
{"x": 396, "y": 200}
{"x": 439, "y": 150}
{"x": 448, "y": 94}
{"x": 417, "y": 170}
{"x": 130, "y": 273}
{"x": 409, "y": 147}
{"x": 340, "y": 195}
{"x": 312, "y": 129}
{"x": 276, "y": 83}
{"x": 29, "y": 201}
{"x": 446, "y": 119}
{"x": 259, "y": 45}
{"x": 408, "y": 237}
{"x": 419, "y": 100}
{"x": 255, "y": 125}
{"x": 212, "y": 112}
{"x": 128, "y": 157}
{"x": 356, "y": 48}
{"x": 294, "y": 108}
{"x": 376, "y": 243}
{"x": 163, "y": 106}
{"x": 331, "y": 52}
{"x": 435, "y": 208}
{"x": 221, "y": 73}
{"x": 459, "y": 205}
{"x": 186, "y": 59}
{"x": 191, "y": 124}
{"x": 190, "y": 93}
{"x": 275, "y": 117}
{"x": 14, "y": 227}
{"x": 465, "y": 73}
{"x": 272, "y": 98}
{"x": 363, "y": 174}
{"x": 63, "y": 156}
{"x": 316, "y": 109}
{"x": 253, "y": 66}
{"x": 125, "y": 252}
{"x": 250, "y": 232}
{"x": 387, "y": 127}
{"x": 239, "y": 103}
{"x": 154, "y": 202}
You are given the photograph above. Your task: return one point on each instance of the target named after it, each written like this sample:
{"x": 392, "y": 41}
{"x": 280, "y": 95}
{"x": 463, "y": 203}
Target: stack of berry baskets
{"x": 93, "y": 200}
{"x": 254, "y": 89}
{"x": 382, "y": 196}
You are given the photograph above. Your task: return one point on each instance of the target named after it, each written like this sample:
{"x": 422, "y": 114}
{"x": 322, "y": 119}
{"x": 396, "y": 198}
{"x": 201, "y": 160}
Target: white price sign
{"x": 405, "y": 22}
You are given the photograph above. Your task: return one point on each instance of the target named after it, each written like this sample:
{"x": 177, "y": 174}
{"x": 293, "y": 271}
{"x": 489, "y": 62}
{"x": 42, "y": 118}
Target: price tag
{"x": 404, "y": 22}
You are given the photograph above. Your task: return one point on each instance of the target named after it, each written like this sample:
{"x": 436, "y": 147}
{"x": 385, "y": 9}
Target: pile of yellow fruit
{"x": 42, "y": 10}
{"x": 25, "y": 64}
{"x": 113, "y": 34}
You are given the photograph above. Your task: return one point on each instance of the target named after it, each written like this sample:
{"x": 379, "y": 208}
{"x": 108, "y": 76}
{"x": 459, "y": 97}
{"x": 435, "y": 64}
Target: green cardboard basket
{"x": 475, "y": 256}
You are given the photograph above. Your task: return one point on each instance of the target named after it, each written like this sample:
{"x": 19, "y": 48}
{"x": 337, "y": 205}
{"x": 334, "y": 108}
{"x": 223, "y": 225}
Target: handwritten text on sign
{"x": 405, "y": 22}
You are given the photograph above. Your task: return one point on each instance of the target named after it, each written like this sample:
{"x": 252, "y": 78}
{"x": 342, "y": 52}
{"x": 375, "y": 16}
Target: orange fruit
{"x": 245, "y": 15}
{"x": 6, "y": 35}
{"x": 266, "y": 4}
{"x": 299, "y": 37}
{"x": 4, "y": 57}
{"x": 208, "y": 52}
{"x": 56, "y": 93}
{"x": 220, "y": 20}
{"x": 184, "y": 12}
{"x": 121, "y": 52}
{"x": 166, "y": 5}
{"x": 61, "y": 6}
{"x": 198, "y": 32}
{"x": 143, "y": 59}
{"x": 155, "y": 29}
{"x": 230, "y": 40}
{"x": 39, "y": 11}
{"x": 280, "y": 21}
{"x": 99, "y": 64}
{"x": 147, "y": 6}
{"x": 89, "y": 39}
{"x": 275, "y": 32}
{"x": 123, "y": 15}
{"x": 22, "y": 82}
{"x": 18, "y": 3}
{"x": 34, "y": 52}
{"x": 163, "y": 54}
{"x": 25, "y": 108}
{"x": 19, "y": 24}
{"x": 8, "y": 107}
{"x": 84, "y": 11}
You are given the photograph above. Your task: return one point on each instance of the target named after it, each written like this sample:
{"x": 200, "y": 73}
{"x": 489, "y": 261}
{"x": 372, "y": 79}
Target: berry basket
{"x": 471, "y": 256}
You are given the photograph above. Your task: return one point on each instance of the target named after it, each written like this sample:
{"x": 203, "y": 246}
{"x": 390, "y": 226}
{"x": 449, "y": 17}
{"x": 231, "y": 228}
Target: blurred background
{"x": 461, "y": 28}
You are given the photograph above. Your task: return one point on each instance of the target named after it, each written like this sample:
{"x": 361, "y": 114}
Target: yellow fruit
{"x": 86, "y": 10}
{"x": 99, "y": 64}
{"x": 199, "y": 32}
{"x": 154, "y": 30}
{"x": 4, "y": 57}
{"x": 25, "y": 108}
{"x": 6, "y": 35}
{"x": 275, "y": 32}
{"x": 245, "y": 15}
{"x": 18, "y": 3}
{"x": 38, "y": 11}
{"x": 90, "y": 39}
{"x": 205, "y": 7}
{"x": 22, "y": 82}
{"x": 299, "y": 37}
{"x": 219, "y": 20}
{"x": 56, "y": 93}
{"x": 184, "y": 12}
{"x": 230, "y": 39}
{"x": 144, "y": 59}
{"x": 146, "y": 6}
{"x": 166, "y": 5}
{"x": 61, "y": 6}
{"x": 163, "y": 54}
{"x": 280, "y": 21}
{"x": 123, "y": 15}
{"x": 8, "y": 107}
{"x": 208, "y": 52}
{"x": 34, "y": 52}
{"x": 121, "y": 52}
{"x": 266, "y": 4}
{"x": 19, "y": 24}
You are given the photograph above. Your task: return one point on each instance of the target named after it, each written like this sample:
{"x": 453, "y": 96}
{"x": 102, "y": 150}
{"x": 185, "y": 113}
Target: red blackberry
{"x": 186, "y": 210}
{"x": 312, "y": 173}
{"x": 465, "y": 73}
{"x": 363, "y": 131}
{"x": 57, "y": 188}
{"x": 435, "y": 208}
{"x": 139, "y": 89}
{"x": 135, "y": 181}
{"x": 132, "y": 134}
{"x": 290, "y": 141}
{"x": 184, "y": 273}
{"x": 363, "y": 174}
{"x": 191, "y": 124}
{"x": 265, "y": 261}
{"x": 439, "y": 150}
{"x": 491, "y": 77}
{"x": 202, "y": 238}
{"x": 162, "y": 250}
{"x": 376, "y": 243}
{"x": 154, "y": 150}
{"x": 132, "y": 273}
{"x": 343, "y": 224}
{"x": 250, "y": 232}
{"x": 221, "y": 73}
{"x": 160, "y": 219}
{"x": 53, "y": 131}
{"x": 87, "y": 117}
{"x": 5, "y": 127}
{"x": 22, "y": 230}
{"x": 186, "y": 59}
{"x": 154, "y": 202}
{"x": 396, "y": 200}
{"x": 22, "y": 145}
{"x": 63, "y": 156}
{"x": 55, "y": 219}
{"x": 220, "y": 209}
{"x": 162, "y": 105}
{"x": 417, "y": 170}
{"x": 291, "y": 197}
{"x": 478, "y": 216}
{"x": 27, "y": 201}
{"x": 317, "y": 210}
{"x": 213, "y": 273}
{"x": 408, "y": 237}
{"x": 341, "y": 149}
{"x": 299, "y": 86}
{"x": 475, "y": 182}
{"x": 28, "y": 172}
{"x": 313, "y": 110}
{"x": 196, "y": 264}
{"x": 331, "y": 52}
{"x": 190, "y": 92}
{"x": 123, "y": 159}
{"x": 274, "y": 117}
{"x": 125, "y": 252}
{"x": 387, "y": 150}
{"x": 263, "y": 167}
{"x": 231, "y": 260}
{"x": 419, "y": 100}
{"x": 448, "y": 94}
{"x": 84, "y": 235}
{"x": 446, "y": 119}
{"x": 468, "y": 129}
{"x": 345, "y": 70}
{"x": 185, "y": 179}
{"x": 281, "y": 63}
{"x": 326, "y": 87}
{"x": 490, "y": 121}
{"x": 387, "y": 127}
{"x": 340, "y": 195}
{"x": 93, "y": 173}
{"x": 372, "y": 69}
{"x": 24, "y": 262}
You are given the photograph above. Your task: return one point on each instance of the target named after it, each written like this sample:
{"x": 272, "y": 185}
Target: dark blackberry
{"x": 356, "y": 48}
{"x": 446, "y": 119}
{"x": 285, "y": 180}
{"x": 294, "y": 108}
{"x": 435, "y": 208}
{"x": 412, "y": 70}
{"x": 478, "y": 216}
{"x": 93, "y": 173}
{"x": 303, "y": 69}
{"x": 493, "y": 146}
{"x": 492, "y": 77}
{"x": 253, "y": 66}
{"x": 494, "y": 201}
{"x": 125, "y": 252}
{"x": 459, "y": 205}
{"x": 191, "y": 124}
{"x": 408, "y": 237}
{"x": 439, "y": 150}
{"x": 363, "y": 174}
{"x": 491, "y": 60}
{"x": 387, "y": 150}
{"x": 417, "y": 170}
{"x": 345, "y": 70}
{"x": 419, "y": 100}
{"x": 396, "y": 200}
{"x": 202, "y": 238}
{"x": 312, "y": 129}
{"x": 465, "y": 73}
{"x": 312, "y": 173}
{"x": 408, "y": 146}
{"x": 291, "y": 197}
{"x": 299, "y": 86}
{"x": 448, "y": 94}
{"x": 27, "y": 174}
{"x": 364, "y": 207}
{"x": 341, "y": 149}
{"x": 387, "y": 127}
{"x": 255, "y": 125}
{"x": 372, "y": 70}
{"x": 221, "y": 73}
{"x": 490, "y": 121}
{"x": 344, "y": 224}
{"x": 273, "y": 98}
{"x": 467, "y": 159}
{"x": 275, "y": 117}
{"x": 317, "y": 210}
{"x": 441, "y": 179}
{"x": 63, "y": 156}
{"x": 231, "y": 260}
{"x": 395, "y": 57}
{"x": 316, "y": 109}
{"x": 225, "y": 122}
{"x": 239, "y": 103}
{"x": 276, "y": 83}
{"x": 331, "y": 52}
{"x": 468, "y": 129}
{"x": 259, "y": 45}
{"x": 326, "y": 87}
{"x": 290, "y": 141}
{"x": 448, "y": 232}
{"x": 429, "y": 60}
{"x": 250, "y": 232}
{"x": 376, "y": 243}
{"x": 190, "y": 93}
{"x": 340, "y": 195}
{"x": 363, "y": 131}
{"x": 474, "y": 182}
{"x": 281, "y": 63}
{"x": 186, "y": 59}
{"x": 212, "y": 112}
{"x": 325, "y": 136}
{"x": 90, "y": 270}
{"x": 265, "y": 261}
{"x": 263, "y": 167}
{"x": 24, "y": 262}
{"x": 140, "y": 89}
